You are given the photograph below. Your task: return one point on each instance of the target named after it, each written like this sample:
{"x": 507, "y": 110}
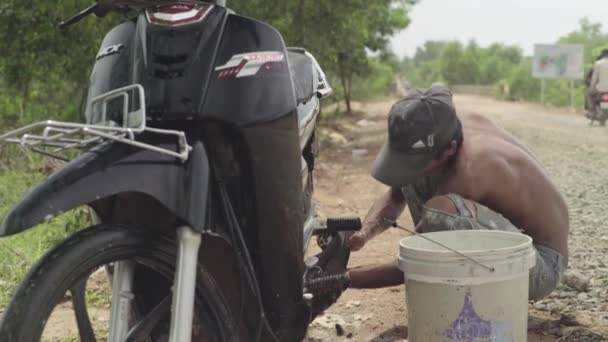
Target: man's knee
{"x": 442, "y": 203}
{"x": 452, "y": 205}
{"x": 442, "y": 213}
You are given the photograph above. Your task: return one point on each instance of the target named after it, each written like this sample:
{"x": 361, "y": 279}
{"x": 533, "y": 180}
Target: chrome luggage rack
{"x": 54, "y": 138}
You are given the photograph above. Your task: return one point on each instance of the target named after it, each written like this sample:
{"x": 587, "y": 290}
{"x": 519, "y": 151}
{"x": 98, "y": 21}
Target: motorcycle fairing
{"x": 183, "y": 69}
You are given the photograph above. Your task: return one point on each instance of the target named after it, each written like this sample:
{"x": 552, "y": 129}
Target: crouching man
{"x": 458, "y": 172}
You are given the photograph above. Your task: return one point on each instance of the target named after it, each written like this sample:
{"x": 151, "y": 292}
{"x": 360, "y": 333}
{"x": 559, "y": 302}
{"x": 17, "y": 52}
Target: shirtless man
{"x": 462, "y": 172}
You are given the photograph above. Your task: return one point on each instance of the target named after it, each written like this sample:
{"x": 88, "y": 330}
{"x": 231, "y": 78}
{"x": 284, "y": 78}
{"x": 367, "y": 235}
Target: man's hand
{"x": 390, "y": 205}
{"x": 357, "y": 241}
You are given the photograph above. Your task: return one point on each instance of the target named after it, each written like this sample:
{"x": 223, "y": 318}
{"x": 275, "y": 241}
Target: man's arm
{"x": 375, "y": 277}
{"x": 390, "y": 205}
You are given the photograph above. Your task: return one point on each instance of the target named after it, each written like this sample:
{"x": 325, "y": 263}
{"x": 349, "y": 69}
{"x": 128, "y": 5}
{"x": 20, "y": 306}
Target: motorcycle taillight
{"x": 177, "y": 14}
{"x": 604, "y": 98}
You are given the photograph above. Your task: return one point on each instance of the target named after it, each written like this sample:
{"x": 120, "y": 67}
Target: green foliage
{"x": 43, "y": 68}
{"x": 500, "y": 65}
{"x": 520, "y": 83}
{"x": 454, "y": 63}
{"x": 379, "y": 82}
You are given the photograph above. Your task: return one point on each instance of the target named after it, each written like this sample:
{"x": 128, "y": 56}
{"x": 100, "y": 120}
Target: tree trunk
{"x": 348, "y": 93}
{"x": 300, "y": 24}
{"x": 344, "y": 80}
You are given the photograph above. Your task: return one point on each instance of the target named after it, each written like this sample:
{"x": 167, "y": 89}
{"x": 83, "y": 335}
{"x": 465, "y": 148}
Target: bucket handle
{"x": 396, "y": 225}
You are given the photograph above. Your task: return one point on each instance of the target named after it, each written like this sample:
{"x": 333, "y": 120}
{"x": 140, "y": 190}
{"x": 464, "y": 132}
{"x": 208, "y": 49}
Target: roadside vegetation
{"x": 504, "y": 67}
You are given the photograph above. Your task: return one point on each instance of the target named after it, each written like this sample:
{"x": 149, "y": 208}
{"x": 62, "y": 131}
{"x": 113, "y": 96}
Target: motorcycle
{"x": 196, "y": 160}
{"x": 600, "y": 110}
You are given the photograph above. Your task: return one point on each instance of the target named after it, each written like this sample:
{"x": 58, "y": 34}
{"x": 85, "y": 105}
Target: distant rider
{"x": 599, "y": 80}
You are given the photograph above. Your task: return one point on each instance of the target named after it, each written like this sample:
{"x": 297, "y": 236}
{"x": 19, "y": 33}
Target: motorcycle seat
{"x": 304, "y": 75}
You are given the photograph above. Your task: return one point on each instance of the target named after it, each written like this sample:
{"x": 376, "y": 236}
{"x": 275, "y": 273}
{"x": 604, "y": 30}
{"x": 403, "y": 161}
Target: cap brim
{"x": 397, "y": 169}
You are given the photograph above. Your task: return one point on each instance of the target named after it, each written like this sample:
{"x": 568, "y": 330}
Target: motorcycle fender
{"x": 114, "y": 168}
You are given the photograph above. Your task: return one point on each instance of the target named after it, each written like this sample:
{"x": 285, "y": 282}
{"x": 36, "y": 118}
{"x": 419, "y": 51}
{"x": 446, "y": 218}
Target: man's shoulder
{"x": 603, "y": 61}
{"x": 473, "y": 117}
{"x": 486, "y": 157}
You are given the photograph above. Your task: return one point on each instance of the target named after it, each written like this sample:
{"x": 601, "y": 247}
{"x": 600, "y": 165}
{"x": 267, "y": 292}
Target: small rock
{"x": 352, "y": 303}
{"x": 363, "y": 123}
{"x": 582, "y": 296}
{"x": 556, "y": 306}
{"x": 339, "y": 330}
{"x": 359, "y": 154}
{"x": 604, "y": 238}
{"x": 359, "y": 319}
{"x": 578, "y": 334}
{"x": 329, "y": 321}
{"x": 576, "y": 281}
{"x": 337, "y": 138}
{"x": 540, "y": 306}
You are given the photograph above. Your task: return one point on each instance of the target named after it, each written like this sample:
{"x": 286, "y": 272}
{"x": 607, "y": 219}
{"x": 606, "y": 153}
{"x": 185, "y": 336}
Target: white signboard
{"x": 558, "y": 61}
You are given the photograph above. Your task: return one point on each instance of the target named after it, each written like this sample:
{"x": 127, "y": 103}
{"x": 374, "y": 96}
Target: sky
{"x": 514, "y": 22}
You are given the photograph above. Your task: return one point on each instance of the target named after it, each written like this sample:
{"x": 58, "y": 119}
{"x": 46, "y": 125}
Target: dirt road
{"x": 575, "y": 155}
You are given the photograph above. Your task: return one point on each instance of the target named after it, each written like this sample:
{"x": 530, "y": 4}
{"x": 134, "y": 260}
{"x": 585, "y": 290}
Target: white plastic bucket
{"x": 450, "y": 298}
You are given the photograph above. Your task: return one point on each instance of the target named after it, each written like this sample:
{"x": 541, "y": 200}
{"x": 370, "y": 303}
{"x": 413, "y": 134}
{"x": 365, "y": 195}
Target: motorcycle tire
{"x": 86, "y": 251}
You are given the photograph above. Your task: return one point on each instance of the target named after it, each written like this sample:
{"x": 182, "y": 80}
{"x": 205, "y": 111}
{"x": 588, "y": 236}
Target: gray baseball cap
{"x": 420, "y": 126}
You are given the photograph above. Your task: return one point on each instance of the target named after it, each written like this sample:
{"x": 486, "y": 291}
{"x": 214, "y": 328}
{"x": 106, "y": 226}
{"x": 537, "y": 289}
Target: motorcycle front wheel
{"x": 60, "y": 280}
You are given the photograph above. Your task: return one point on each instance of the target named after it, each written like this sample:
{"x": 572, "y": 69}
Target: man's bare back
{"x": 494, "y": 169}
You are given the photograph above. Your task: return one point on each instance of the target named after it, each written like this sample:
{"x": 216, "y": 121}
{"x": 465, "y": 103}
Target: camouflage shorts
{"x": 550, "y": 264}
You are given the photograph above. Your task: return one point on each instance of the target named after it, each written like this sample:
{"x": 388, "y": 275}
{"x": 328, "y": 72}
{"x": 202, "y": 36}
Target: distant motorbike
{"x": 600, "y": 110}
{"x": 198, "y": 155}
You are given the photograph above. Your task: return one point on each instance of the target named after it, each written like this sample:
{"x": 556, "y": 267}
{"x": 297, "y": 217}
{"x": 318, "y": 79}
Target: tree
{"x": 451, "y": 63}
{"x": 35, "y": 52}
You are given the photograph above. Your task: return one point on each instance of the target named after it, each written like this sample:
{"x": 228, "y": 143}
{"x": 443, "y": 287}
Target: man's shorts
{"x": 550, "y": 264}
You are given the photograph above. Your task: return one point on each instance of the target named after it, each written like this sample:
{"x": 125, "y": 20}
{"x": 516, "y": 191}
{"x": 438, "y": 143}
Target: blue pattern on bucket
{"x": 470, "y": 327}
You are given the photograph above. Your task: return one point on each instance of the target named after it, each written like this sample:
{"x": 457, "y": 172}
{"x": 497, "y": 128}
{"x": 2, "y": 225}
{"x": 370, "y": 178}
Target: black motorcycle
{"x": 599, "y": 112}
{"x": 197, "y": 156}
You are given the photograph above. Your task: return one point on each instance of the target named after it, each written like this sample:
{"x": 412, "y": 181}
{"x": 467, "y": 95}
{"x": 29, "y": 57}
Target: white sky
{"x": 514, "y": 22}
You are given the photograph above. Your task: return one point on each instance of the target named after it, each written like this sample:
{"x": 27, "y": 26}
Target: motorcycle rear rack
{"x": 54, "y": 138}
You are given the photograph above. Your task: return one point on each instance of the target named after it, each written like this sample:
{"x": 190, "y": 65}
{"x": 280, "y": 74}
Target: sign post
{"x": 572, "y": 95}
{"x": 558, "y": 61}
{"x": 542, "y": 91}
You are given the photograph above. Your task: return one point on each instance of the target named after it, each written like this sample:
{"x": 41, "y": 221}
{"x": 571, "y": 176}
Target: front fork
{"x": 184, "y": 291}
{"x": 184, "y": 285}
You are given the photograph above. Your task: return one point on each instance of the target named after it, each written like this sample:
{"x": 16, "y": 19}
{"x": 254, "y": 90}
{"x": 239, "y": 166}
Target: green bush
{"x": 521, "y": 84}
{"x": 504, "y": 66}
{"x": 378, "y": 83}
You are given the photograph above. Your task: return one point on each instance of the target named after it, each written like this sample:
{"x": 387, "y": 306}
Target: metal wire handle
{"x": 396, "y": 225}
